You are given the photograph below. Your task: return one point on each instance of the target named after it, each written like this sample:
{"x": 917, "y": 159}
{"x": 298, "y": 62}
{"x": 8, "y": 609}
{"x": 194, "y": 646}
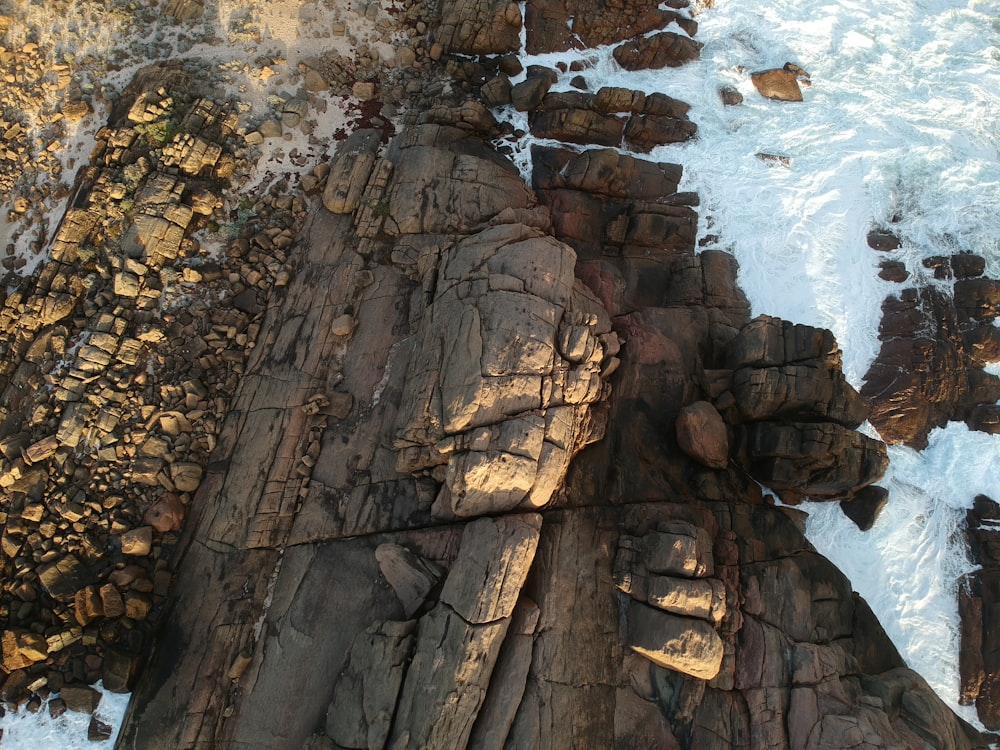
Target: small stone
{"x": 137, "y": 542}
{"x": 80, "y": 698}
{"x": 363, "y": 90}
{"x": 166, "y": 514}
{"x": 112, "y": 601}
{"x": 186, "y": 476}
{"x": 98, "y": 731}
{"x": 343, "y": 326}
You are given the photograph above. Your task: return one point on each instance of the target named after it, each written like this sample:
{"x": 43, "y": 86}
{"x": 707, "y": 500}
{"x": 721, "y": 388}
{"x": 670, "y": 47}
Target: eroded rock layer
{"x": 489, "y": 475}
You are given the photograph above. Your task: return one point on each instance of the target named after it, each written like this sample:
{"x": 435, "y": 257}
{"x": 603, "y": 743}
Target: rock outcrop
{"x": 929, "y": 369}
{"x": 458, "y": 462}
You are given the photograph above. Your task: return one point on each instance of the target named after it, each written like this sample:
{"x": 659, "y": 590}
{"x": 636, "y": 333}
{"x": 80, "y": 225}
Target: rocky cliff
{"x": 432, "y": 457}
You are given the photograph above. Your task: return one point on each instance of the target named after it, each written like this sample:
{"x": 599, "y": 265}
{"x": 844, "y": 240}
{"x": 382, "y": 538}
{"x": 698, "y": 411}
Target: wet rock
{"x": 82, "y": 699}
{"x": 778, "y": 83}
{"x": 866, "y": 506}
{"x": 665, "y": 49}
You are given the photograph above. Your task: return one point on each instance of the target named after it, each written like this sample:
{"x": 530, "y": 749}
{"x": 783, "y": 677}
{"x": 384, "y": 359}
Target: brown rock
{"x": 665, "y": 49}
{"x": 185, "y": 475}
{"x": 166, "y": 514}
{"x": 411, "y": 576}
{"x": 137, "y": 542}
{"x": 702, "y": 434}
{"x": 779, "y": 84}
{"x": 683, "y": 644}
{"x": 82, "y": 699}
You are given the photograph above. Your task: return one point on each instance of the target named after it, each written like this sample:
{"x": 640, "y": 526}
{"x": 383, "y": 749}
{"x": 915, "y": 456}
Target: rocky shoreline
{"x": 429, "y": 457}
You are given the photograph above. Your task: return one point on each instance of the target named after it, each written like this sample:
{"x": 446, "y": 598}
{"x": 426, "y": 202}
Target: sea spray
{"x": 24, "y": 730}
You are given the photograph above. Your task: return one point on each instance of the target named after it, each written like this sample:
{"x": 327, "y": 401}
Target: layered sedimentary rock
{"x": 491, "y": 474}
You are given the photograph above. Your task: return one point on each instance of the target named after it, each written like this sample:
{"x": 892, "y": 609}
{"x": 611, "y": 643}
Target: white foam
{"x": 24, "y": 730}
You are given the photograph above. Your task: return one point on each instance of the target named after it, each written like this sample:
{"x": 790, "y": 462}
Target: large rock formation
{"x": 488, "y": 470}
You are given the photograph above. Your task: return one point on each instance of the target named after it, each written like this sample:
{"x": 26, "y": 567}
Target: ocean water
{"x": 39, "y": 731}
{"x": 900, "y": 128}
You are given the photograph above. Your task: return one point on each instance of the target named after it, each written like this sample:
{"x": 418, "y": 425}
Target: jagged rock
{"x": 528, "y": 94}
{"x": 186, "y": 476}
{"x": 678, "y": 548}
{"x": 496, "y": 92}
{"x": 349, "y": 171}
{"x": 365, "y": 695}
{"x": 866, "y": 506}
{"x": 574, "y": 125}
{"x": 683, "y": 644}
{"x": 603, "y": 171}
{"x": 645, "y": 132}
{"x": 928, "y": 369}
{"x": 818, "y": 459}
{"x": 22, "y": 649}
{"x": 459, "y": 641}
{"x": 665, "y": 49}
{"x": 488, "y": 350}
{"x": 137, "y": 542}
{"x": 702, "y": 434}
{"x": 471, "y": 27}
{"x": 64, "y": 577}
{"x": 437, "y": 190}
{"x": 730, "y": 96}
{"x": 779, "y": 84}
{"x": 701, "y": 598}
{"x": 815, "y": 389}
{"x": 81, "y": 699}
{"x": 119, "y": 670}
{"x": 411, "y": 576}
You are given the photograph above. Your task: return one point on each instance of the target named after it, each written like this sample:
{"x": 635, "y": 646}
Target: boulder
{"x": 702, "y": 434}
{"x": 866, "y": 506}
{"x": 818, "y": 459}
{"x": 777, "y": 83}
{"x": 683, "y": 644}
{"x": 662, "y": 50}
{"x": 470, "y": 27}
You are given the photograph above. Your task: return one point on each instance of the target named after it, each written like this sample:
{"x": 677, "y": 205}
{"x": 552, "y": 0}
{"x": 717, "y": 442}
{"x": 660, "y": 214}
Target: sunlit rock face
{"x": 431, "y": 457}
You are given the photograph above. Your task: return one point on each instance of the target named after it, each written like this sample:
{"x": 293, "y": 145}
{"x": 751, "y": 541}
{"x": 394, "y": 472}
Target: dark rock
{"x": 582, "y": 126}
{"x": 496, "y": 92}
{"x": 64, "y": 577}
{"x": 893, "y": 270}
{"x": 967, "y": 265}
{"x": 120, "y": 670}
{"x": 882, "y": 239}
{"x": 645, "y": 132}
{"x": 730, "y": 96}
{"x": 866, "y": 505}
{"x": 818, "y": 460}
{"x": 98, "y": 731}
{"x": 80, "y": 698}
{"x": 528, "y": 94}
{"x": 662, "y": 50}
